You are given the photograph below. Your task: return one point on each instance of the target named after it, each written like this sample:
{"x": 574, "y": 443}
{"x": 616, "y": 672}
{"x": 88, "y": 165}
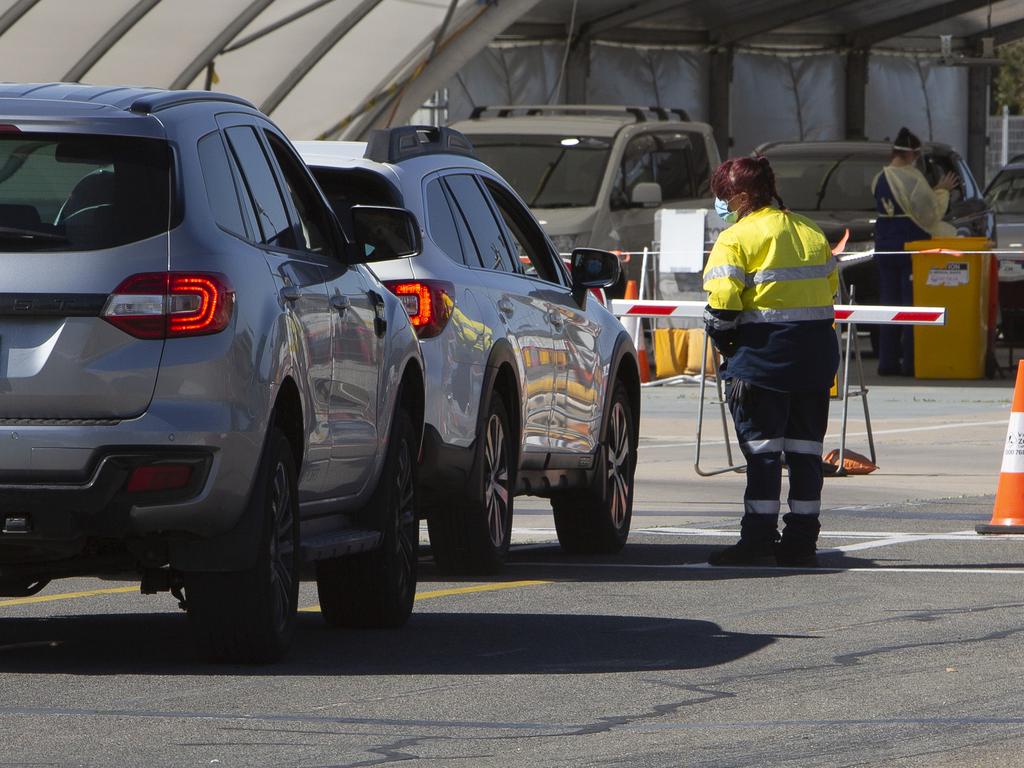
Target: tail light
{"x": 159, "y": 477}
{"x": 166, "y": 305}
{"x": 428, "y": 302}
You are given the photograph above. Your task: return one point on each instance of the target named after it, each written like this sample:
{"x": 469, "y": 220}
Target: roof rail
{"x": 393, "y": 145}
{"x": 166, "y": 99}
{"x": 640, "y": 114}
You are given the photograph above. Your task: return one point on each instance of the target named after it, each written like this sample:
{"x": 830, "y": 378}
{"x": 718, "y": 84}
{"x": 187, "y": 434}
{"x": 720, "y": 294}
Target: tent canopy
{"x": 339, "y": 67}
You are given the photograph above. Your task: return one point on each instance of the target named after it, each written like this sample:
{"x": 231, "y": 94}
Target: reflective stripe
{"x": 782, "y": 274}
{"x": 725, "y": 270}
{"x": 799, "y": 507}
{"x": 802, "y": 446}
{"x": 716, "y": 323}
{"x": 794, "y": 315}
{"x": 757, "y": 507}
{"x": 774, "y": 445}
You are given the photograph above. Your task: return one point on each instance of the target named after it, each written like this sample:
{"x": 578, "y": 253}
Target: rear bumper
{"x": 46, "y": 517}
{"x": 63, "y": 487}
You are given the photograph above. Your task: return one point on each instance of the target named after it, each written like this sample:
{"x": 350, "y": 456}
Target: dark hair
{"x": 906, "y": 143}
{"x": 753, "y": 175}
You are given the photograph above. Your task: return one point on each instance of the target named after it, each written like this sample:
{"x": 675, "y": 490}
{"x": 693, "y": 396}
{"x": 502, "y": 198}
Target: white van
{"x": 595, "y": 175}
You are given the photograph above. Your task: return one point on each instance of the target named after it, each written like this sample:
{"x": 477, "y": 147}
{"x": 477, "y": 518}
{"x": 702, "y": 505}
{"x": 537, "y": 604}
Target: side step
{"x": 338, "y": 544}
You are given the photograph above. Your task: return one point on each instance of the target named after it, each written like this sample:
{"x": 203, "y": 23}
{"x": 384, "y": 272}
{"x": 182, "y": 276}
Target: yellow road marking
{"x": 67, "y": 596}
{"x": 460, "y": 591}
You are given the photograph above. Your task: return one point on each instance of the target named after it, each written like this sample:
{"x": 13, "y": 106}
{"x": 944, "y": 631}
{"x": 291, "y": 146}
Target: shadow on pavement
{"x": 434, "y": 643}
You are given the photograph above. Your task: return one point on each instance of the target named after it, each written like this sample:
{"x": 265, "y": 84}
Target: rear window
{"x": 67, "y": 192}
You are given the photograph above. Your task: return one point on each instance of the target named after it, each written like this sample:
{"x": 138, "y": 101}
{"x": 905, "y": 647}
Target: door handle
{"x": 555, "y": 318}
{"x": 340, "y": 303}
{"x": 506, "y": 308}
{"x": 291, "y": 294}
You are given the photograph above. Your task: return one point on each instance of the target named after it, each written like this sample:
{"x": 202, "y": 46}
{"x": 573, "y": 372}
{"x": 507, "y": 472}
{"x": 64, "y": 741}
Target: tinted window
{"x": 1006, "y": 194}
{"x": 483, "y": 227}
{"x": 313, "y": 223}
{"x": 839, "y": 182}
{"x": 527, "y": 238}
{"x": 548, "y": 171}
{"x": 262, "y": 187}
{"x": 220, "y": 184}
{"x": 441, "y": 222}
{"x": 637, "y": 167}
{"x": 61, "y": 192}
{"x": 681, "y": 165}
{"x": 937, "y": 166}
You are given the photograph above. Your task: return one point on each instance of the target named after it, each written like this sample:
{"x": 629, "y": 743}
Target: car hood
{"x": 566, "y": 221}
{"x": 833, "y": 223}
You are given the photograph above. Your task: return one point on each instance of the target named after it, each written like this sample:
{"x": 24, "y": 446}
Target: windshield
{"x": 66, "y": 192}
{"x": 1006, "y": 195}
{"x": 840, "y": 183}
{"x": 547, "y": 171}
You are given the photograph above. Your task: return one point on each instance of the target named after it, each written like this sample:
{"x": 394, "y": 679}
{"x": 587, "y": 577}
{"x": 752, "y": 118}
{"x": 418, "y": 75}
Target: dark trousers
{"x": 768, "y": 425}
{"x": 896, "y": 289}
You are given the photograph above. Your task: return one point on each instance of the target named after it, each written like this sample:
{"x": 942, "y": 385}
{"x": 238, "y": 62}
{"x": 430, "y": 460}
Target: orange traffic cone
{"x": 636, "y": 330}
{"x": 1008, "y": 514}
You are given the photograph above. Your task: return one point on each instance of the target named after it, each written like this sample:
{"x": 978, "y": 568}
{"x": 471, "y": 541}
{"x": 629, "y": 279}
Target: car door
{"x": 520, "y": 307}
{"x": 575, "y": 410}
{"x": 300, "y": 278}
{"x": 356, "y": 343}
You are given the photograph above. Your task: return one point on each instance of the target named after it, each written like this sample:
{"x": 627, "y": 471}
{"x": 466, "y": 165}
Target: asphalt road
{"x": 903, "y": 650}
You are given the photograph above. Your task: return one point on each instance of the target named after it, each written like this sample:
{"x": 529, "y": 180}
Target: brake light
{"x": 428, "y": 303}
{"x": 9, "y": 128}
{"x": 164, "y": 305}
{"x": 159, "y": 477}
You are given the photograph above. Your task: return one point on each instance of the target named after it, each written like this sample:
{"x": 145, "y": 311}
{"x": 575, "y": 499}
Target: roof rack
{"x": 393, "y": 145}
{"x": 166, "y": 99}
{"x": 640, "y": 114}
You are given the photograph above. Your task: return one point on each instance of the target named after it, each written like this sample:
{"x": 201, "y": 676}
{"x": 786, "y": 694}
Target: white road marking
{"x": 969, "y": 535}
{"x": 769, "y": 568}
{"x": 645, "y": 445}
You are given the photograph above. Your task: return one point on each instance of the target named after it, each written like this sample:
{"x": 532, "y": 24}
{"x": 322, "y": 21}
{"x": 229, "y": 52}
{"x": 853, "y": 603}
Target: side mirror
{"x": 646, "y": 194}
{"x": 383, "y": 233}
{"x": 592, "y": 268}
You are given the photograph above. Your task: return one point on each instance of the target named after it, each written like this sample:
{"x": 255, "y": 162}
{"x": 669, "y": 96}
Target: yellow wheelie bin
{"x": 962, "y": 282}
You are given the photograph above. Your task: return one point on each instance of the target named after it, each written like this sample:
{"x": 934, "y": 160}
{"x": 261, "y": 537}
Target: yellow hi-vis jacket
{"x": 773, "y": 267}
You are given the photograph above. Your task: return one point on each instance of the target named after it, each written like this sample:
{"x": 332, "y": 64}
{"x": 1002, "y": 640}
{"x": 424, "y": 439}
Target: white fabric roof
{"x": 338, "y": 67}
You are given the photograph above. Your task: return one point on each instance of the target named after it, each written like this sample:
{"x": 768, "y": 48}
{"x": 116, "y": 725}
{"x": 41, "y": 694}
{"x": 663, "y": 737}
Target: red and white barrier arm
{"x": 845, "y": 313}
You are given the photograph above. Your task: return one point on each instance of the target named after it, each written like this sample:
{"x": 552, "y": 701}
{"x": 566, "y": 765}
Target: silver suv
{"x": 531, "y": 388}
{"x": 200, "y": 381}
{"x": 595, "y": 175}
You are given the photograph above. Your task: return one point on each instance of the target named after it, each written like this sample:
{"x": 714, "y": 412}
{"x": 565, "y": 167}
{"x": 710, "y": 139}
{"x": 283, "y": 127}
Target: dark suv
{"x": 830, "y": 182}
{"x": 200, "y": 381}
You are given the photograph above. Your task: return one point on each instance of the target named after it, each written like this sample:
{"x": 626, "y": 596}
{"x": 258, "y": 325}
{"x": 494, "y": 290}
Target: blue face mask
{"x": 722, "y": 209}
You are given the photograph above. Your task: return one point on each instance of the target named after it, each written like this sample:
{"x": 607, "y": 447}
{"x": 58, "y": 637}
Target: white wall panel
{"x": 665, "y": 77}
{"x": 789, "y": 97}
{"x": 929, "y": 99}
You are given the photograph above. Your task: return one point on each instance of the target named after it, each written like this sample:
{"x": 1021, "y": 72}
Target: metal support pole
{"x": 700, "y": 416}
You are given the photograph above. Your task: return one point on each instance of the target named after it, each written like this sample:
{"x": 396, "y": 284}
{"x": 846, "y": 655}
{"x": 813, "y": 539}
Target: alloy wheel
{"x": 618, "y": 464}
{"x": 282, "y": 545}
{"x": 496, "y": 474}
{"x": 405, "y": 517}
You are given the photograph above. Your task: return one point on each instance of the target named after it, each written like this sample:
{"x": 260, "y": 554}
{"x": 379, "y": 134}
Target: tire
{"x": 596, "y": 519}
{"x": 249, "y": 616}
{"x": 471, "y": 536}
{"x": 377, "y": 589}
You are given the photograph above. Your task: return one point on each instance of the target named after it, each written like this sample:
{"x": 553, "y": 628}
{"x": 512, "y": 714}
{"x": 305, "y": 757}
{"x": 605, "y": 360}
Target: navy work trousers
{"x": 768, "y": 425}
{"x": 896, "y": 289}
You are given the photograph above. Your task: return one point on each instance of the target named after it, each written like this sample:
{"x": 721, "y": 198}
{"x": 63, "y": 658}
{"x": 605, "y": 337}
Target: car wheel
{"x": 249, "y": 616}
{"x": 472, "y": 535}
{"x": 596, "y": 519}
{"x": 377, "y": 589}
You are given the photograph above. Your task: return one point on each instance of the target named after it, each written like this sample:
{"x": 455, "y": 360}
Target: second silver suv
{"x": 531, "y": 387}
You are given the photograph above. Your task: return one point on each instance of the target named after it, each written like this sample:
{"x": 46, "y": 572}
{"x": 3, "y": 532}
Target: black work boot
{"x": 798, "y": 548}
{"x": 759, "y": 534}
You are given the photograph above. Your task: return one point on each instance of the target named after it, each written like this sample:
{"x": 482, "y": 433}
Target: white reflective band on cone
{"x": 1013, "y": 448}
